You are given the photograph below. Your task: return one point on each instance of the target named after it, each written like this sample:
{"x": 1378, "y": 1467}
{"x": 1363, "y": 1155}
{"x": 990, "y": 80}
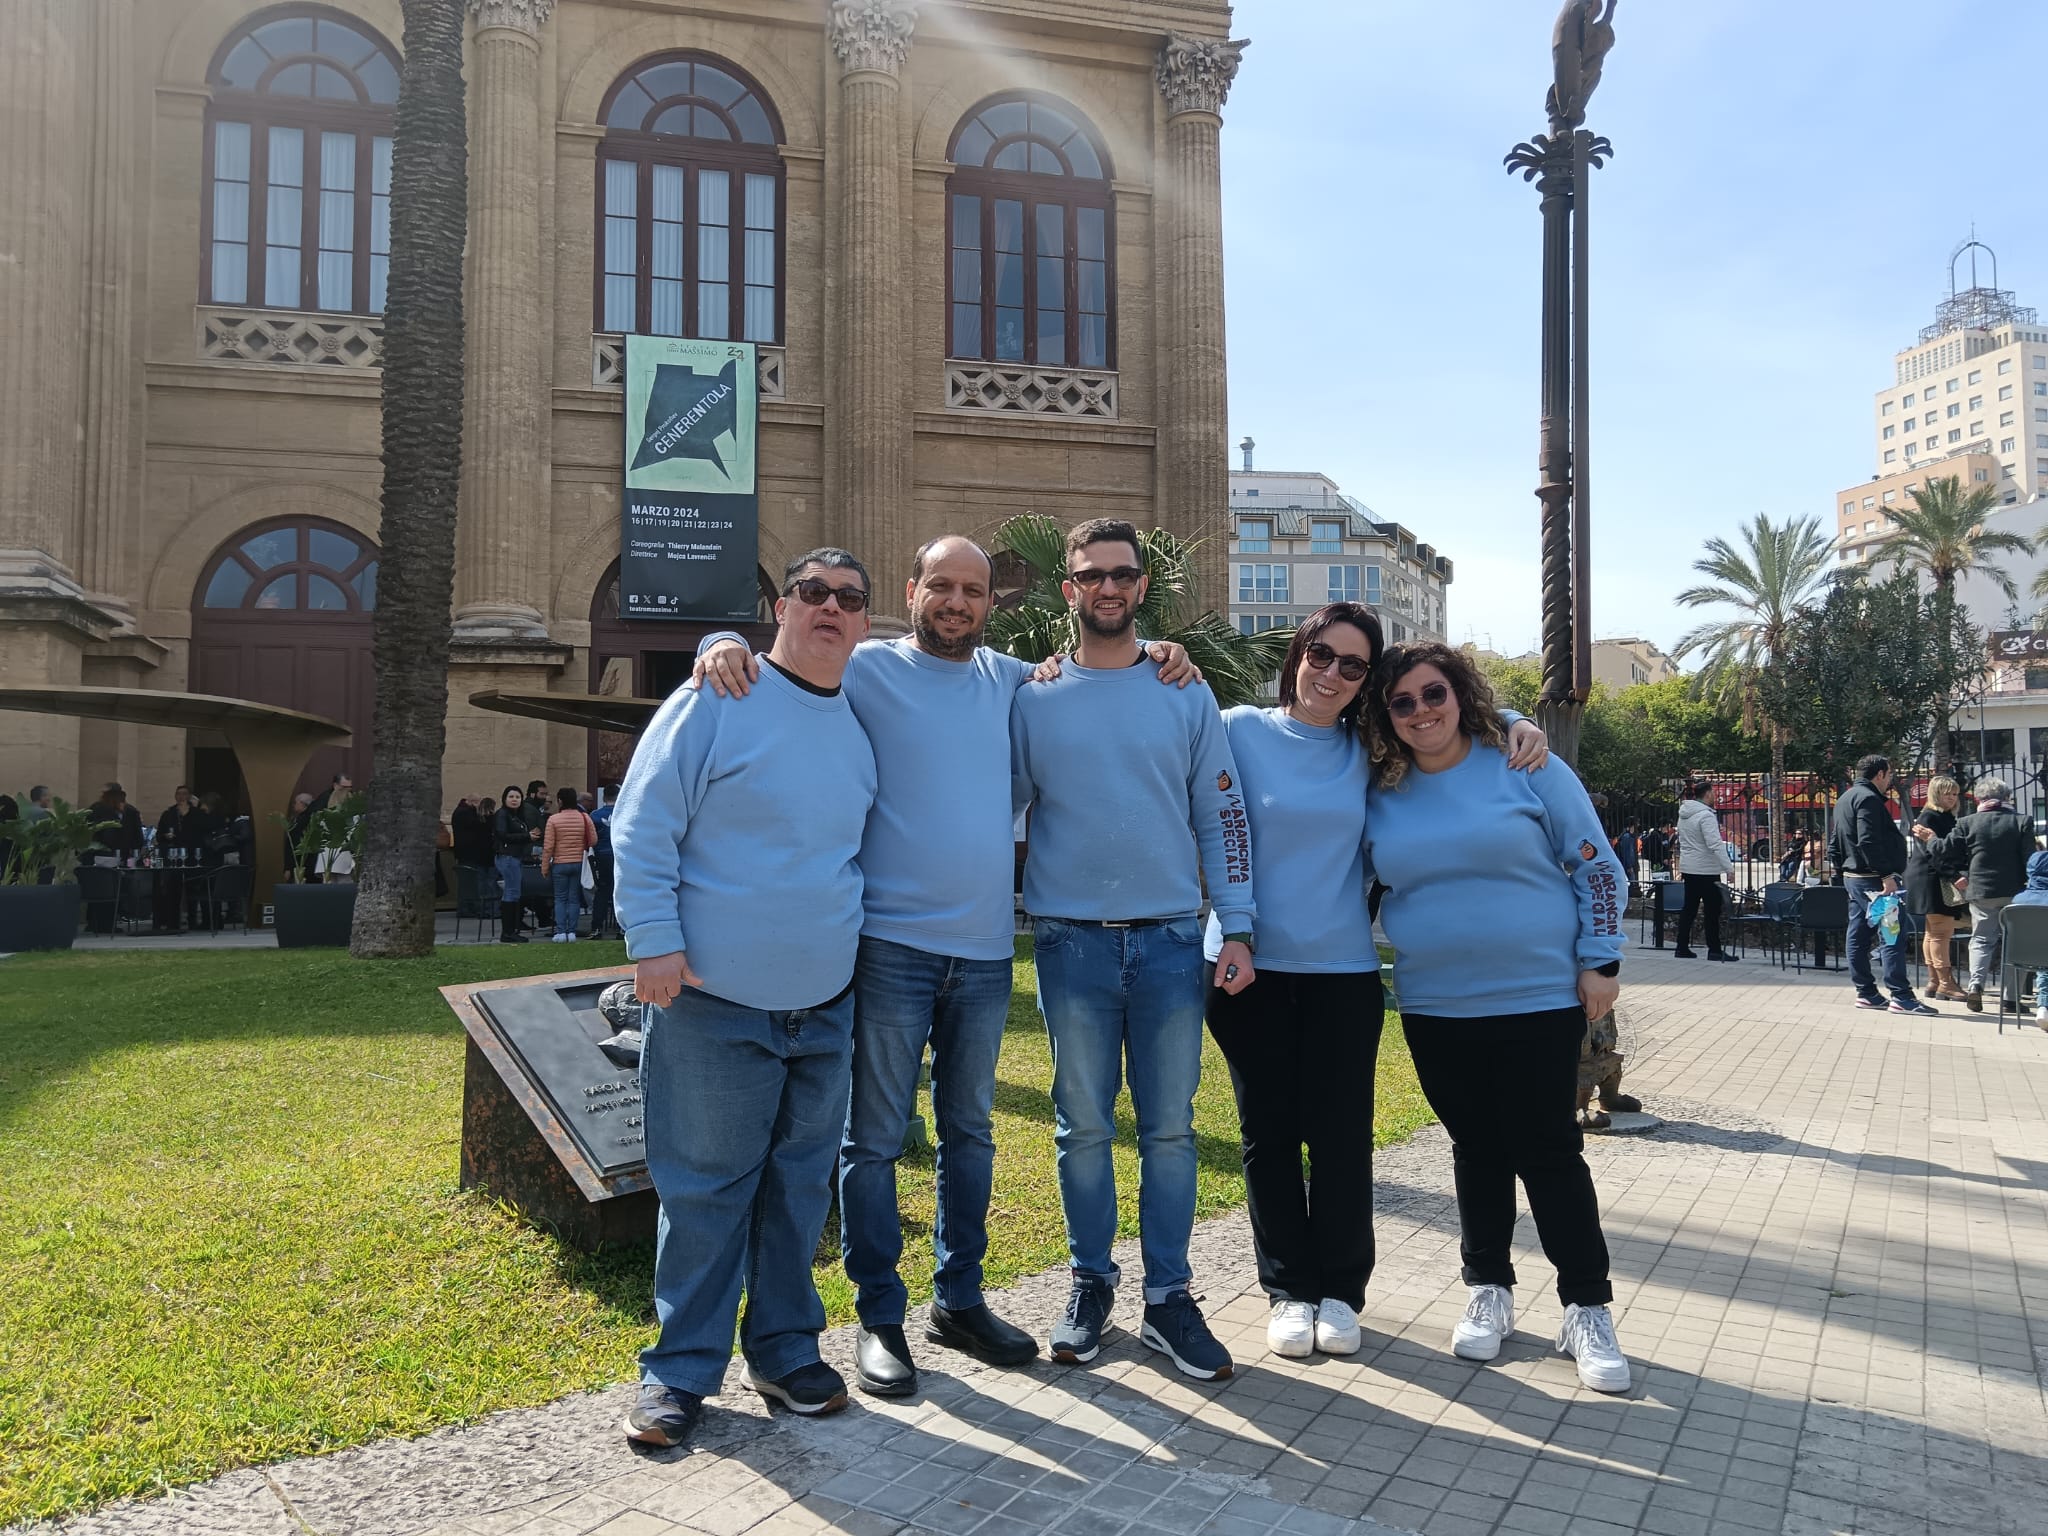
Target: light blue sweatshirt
{"x": 736, "y": 837}
{"x": 1305, "y": 789}
{"x": 1501, "y": 886}
{"x": 1134, "y": 799}
{"x": 940, "y": 848}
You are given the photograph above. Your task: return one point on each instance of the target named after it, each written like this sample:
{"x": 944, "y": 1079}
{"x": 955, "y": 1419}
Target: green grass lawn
{"x": 230, "y": 1232}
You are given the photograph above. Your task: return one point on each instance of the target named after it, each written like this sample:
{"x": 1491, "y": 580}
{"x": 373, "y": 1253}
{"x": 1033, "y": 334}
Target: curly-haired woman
{"x": 1504, "y": 907}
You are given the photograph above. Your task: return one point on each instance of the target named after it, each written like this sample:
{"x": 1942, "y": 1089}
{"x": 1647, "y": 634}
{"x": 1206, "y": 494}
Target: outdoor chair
{"x": 1766, "y": 922}
{"x": 2023, "y": 947}
{"x": 1667, "y": 900}
{"x": 1823, "y": 909}
{"x": 476, "y": 898}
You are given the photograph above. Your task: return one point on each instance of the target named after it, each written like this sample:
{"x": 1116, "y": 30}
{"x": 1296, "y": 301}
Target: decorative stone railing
{"x": 289, "y": 338}
{"x": 1090, "y": 392}
{"x": 608, "y": 365}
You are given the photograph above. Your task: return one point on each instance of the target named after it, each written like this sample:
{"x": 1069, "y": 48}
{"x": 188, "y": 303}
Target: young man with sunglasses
{"x": 1134, "y": 800}
{"x": 735, "y": 842}
{"x": 936, "y": 949}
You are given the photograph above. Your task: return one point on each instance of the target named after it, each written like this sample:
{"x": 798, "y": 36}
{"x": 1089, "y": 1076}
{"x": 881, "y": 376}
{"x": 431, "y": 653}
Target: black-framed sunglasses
{"x": 1121, "y": 576}
{"x": 1351, "y": 668}
{"x": 1402, "y": 705}
{"x": 814, "y": 592}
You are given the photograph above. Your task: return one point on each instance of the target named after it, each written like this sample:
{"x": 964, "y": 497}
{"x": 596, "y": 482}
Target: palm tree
{"x": 423, "y": 350}
{"x": 1942, "y": 536}
{"x": 1235, "y": 665}
{"x": 1781, "y": 569}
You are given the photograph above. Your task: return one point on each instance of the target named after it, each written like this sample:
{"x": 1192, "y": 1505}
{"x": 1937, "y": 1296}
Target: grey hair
{"x": 1989, "y": 788}
{"x": 831, "y": 558}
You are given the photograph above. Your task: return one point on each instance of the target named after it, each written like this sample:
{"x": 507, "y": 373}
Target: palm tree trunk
{"x": 1944, "y": 600}
{"x": 1777, "y": 797}
{"x": 422, "y": 470}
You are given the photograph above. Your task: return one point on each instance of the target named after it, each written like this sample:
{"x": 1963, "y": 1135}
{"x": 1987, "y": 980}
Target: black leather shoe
{"x": 980, "y": 1333}
{"x": 882, "y": 1362}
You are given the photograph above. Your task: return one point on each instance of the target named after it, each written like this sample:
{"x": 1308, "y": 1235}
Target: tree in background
{"x": 1779, "y": 571}
{"x": 423, "y": 350}
{"x": 1236, "y": 665}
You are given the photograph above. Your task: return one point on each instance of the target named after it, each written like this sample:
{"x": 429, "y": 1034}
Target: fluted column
{"x": 44, "y": 47}
{"x": 1194, "y": 78}
{"x": 109, "y": 504}
{"x": 502, "y": 530}
{"x": 871, "y": 423}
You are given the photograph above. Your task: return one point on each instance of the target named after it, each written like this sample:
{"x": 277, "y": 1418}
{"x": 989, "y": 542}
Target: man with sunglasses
{"x": 1134, "y": 803}
{"x": 735, "y": 842}
{"x": 936, "y": 950}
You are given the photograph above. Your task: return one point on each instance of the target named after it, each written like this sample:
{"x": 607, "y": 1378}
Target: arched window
{"x": 298, "y": 164}
{"x": 296, "y": 567}
{"x": 1030, "y": 236}
{"x": 690, "y": 204}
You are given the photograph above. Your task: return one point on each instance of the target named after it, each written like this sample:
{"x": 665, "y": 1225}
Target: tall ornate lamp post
{"x": 1561, "y": 163}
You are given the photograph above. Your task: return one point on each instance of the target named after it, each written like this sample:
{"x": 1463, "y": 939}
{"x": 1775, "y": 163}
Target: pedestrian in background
{"x": 1931, "y": 887}
{"x": 1702, "y": 863}
{"x": 567, "y": 840}
{"x": 1870, "y": 852}
{"x": 1996, "y": 844}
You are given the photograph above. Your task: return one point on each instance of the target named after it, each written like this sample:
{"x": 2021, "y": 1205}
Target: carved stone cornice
{"x": 872, "y": 36}
{"x": 1195, "y": 72}
{"x": 527, "y": 16}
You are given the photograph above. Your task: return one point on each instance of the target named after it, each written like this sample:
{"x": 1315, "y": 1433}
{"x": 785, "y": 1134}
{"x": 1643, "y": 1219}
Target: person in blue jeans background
{"x": 512, "y": 845}
{"x": 1134, "y": 800}
{"x": 936, "y": 950}
{"x": 1870, "y": 851}
{"x": 736, "y": 835}
{"x": 2036, "y": 895}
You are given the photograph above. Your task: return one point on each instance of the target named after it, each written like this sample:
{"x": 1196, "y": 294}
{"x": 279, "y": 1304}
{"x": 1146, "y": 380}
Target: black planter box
{"x": 313, "y": 916}
{"x": 38, "y": 916}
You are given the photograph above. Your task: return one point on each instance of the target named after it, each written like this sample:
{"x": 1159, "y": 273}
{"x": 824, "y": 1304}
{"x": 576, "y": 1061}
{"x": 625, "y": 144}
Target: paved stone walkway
{"x": 1832, "y": 1267}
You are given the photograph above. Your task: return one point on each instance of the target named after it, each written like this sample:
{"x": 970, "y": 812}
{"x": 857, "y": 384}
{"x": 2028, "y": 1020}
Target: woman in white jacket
{"x": 1702, "y": 861}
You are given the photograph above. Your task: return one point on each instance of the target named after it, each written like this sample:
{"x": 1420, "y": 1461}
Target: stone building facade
{"x": 978, "y": 242}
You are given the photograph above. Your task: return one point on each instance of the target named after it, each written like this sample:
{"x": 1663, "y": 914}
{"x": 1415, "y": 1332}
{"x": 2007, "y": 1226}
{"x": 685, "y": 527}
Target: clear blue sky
{"x": 1788, "y": 183}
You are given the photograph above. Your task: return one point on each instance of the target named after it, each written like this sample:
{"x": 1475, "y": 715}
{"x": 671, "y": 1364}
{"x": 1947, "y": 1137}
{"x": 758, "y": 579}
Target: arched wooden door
{"x": 282, "y": 615}
{"x": 650, "y": 659}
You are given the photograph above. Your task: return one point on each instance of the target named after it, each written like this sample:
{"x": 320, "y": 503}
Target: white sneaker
{"x": 1489, "y": 1318}
{"x": 1588, "y": 1337}
{"x": 568, "y": 938}
{"x": 1291, "y": 1330}
{"x": 1336, "y": 1328}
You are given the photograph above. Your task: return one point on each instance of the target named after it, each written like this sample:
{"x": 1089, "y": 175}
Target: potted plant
{"x": 38, "y": 892}
{"x": 321, "y": 915}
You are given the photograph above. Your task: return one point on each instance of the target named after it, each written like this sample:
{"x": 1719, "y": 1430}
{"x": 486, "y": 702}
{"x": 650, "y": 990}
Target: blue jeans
{"x": 1112, "y": 996}
{"x": 568, "y": 879}
{"x": 1862, "y": 935}
{"x": 511, "y": 869}
{"x": 744, "y": 1110}
{"x": 904, "y": 998}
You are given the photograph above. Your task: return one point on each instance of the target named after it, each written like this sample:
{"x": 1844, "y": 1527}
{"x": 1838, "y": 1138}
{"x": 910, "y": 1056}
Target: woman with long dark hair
{"x": 1504, "y": 906}
{"x": 1302, "y": 1038}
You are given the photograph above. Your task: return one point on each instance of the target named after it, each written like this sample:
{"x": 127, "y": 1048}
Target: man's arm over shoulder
{"x": 663, "y": 790}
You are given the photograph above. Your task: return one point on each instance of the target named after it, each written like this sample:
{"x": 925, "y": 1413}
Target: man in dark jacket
{"x": 1870, "y": 851}
{"x": 1997, "y": 844}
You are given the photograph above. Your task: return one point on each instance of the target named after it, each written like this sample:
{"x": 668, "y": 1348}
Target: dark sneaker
{"x": 663, "y": 1416}
{"x": 1077, "y": 1336}
{"x": 1877, "y": 1003}
{"x": 809, "y": 1389}
{"x": 1913, "y": 1005}
{"x": 1685, "y": 954}
{"x": 1175, "y": 1328}
{"x": 1723, "y": 955}
{"x": 1974, "y": 999}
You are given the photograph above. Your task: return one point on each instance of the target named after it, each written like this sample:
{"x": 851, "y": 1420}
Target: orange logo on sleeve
{"x": 1223, "y": 780}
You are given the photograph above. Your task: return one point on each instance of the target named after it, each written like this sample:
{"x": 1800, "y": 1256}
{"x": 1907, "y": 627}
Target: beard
{"x": 1107, "y": 629}
{"x": 933, "y": 642}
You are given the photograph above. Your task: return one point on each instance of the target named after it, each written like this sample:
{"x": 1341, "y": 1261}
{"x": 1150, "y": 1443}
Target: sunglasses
{"x": 1402, "y": 705}
{"x": 814, "y": 592}
{"x": 1351, "y": 668}
{"x": 1122, "y": 576}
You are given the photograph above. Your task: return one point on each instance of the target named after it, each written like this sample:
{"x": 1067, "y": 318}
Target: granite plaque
{"x": 557, "y": 1035}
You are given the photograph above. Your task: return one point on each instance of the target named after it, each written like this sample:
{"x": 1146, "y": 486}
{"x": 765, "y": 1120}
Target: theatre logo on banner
{"x": 690, "y": 539}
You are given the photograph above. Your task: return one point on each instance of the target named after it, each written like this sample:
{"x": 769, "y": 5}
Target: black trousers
{"x": 1701, "y": 890}
{"x": 1506, "y": 1088}
{"x": 1302, "y": 1051}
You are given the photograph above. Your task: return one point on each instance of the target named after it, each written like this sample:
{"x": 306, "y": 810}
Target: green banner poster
{"x": 690, "y": 535}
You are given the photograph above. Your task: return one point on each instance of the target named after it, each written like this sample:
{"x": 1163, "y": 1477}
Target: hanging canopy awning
{"x": 592, "y": 711}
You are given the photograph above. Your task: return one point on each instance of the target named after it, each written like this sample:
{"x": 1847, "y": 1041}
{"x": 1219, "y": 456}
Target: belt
{"x": 1860, "y": 874}
{"x": 1118, "y": 922}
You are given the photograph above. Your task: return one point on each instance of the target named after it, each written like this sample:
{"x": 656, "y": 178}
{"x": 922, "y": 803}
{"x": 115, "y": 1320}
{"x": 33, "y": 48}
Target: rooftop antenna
{"x": 1979, "y": 307}
{"x": 1247, "y": 446}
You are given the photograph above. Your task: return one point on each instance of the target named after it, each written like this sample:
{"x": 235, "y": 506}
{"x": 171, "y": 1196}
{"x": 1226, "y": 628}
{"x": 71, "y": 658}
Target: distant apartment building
{"x": 1627, "y": 661}
{"x": 1968, "y": 399}
{"x": 1298, "y": 542}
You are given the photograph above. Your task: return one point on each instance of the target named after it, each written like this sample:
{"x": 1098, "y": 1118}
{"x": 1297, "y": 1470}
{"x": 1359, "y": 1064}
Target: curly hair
{"x": 1478, "y": 714}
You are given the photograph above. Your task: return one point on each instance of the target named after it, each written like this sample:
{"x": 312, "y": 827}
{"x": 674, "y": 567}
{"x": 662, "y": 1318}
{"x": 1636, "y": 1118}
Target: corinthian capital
{"x": 1195, "y": 72}
{"x": 872, "y": 34}
{"x": 527, "y": 16}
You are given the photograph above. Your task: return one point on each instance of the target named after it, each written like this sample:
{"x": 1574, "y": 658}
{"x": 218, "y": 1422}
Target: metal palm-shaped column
{"x": 1560, "y": 162}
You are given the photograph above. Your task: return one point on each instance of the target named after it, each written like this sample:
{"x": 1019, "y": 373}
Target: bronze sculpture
{"x": 1578, "y": 43}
